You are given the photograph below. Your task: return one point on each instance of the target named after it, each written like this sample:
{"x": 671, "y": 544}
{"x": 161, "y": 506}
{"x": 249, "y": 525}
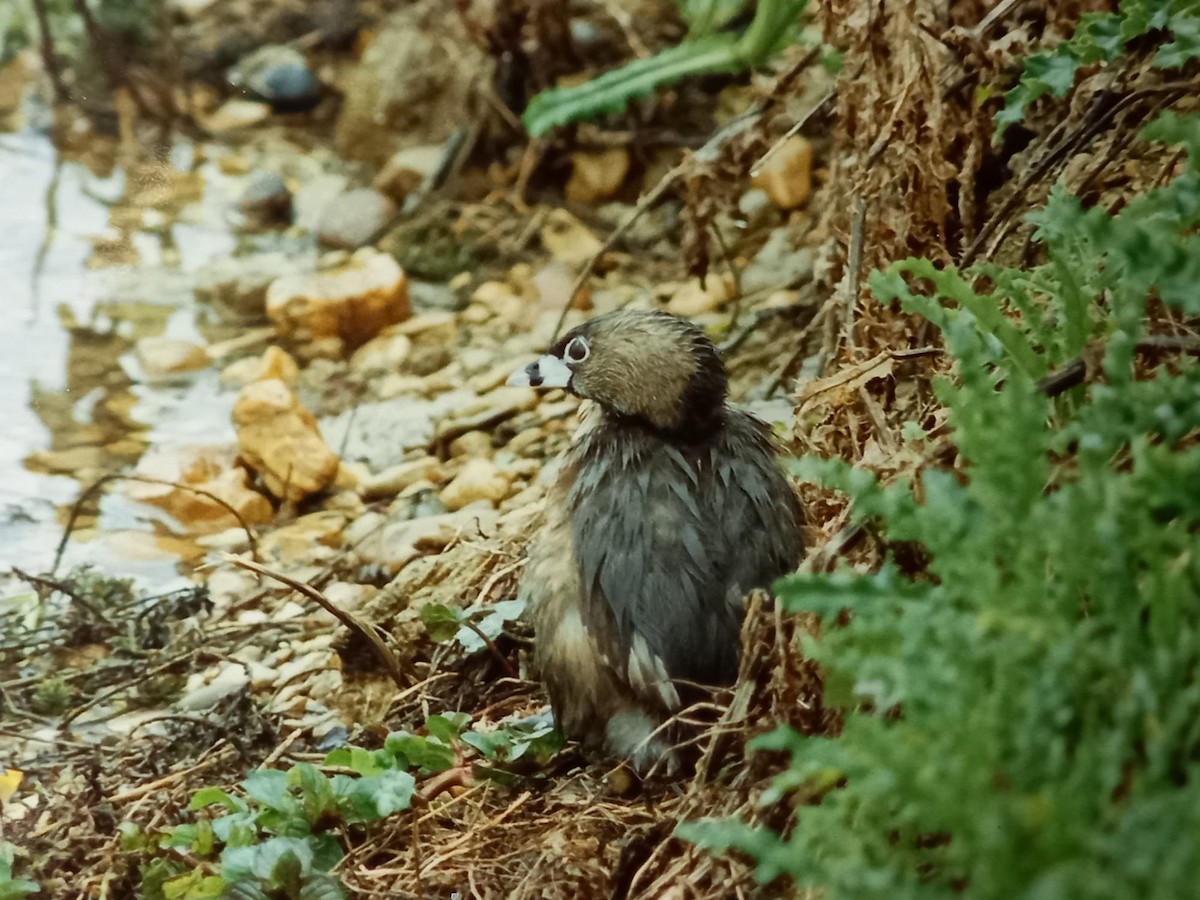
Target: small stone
{"x": 350, "y": 475}
{"x": 753, "y": 202}
{"x": 495, "y": 377}
{"x": 476, "y": 314}
{"x": 353, "y": 302}
{"x": 380, "y": 355}
{"x": 695, "y": 299}
{"x": 429, "y": 297}
{"x": 596, "y": 176}
{"x": 234, "y": 115}
{"x": 567, "y": 239}
{"x": 397, "y": 543}
{"x": 295, "y": 541}
{"x": 497, "y": 298}
{"x": 275, "y": 363}
{"x": 265, "y": 201}
{"x": 184, "y": 473}
{"x": 438, "y": 327}
{"x": 394, "y": 479}
{"x": 237, "y": 286}
{"x": 279, "y": 76}
{"x": 778, "y": 264}
{"x": 354, "y": 219}
{"x": 525, "y": 441}
{"x": 428, "y": 359}
{"x": 478, "y": 480}
{"x": 473, "y": 443}
{"x": 231, "y": 540}
{"x": 486, "y": 412}
{"x": 162, "y": 357}
{"x": 407, "y": 168}
{"x": 229, "y": 679}
{"x": 280, "y": 440}
{"x": 787, "y": 176}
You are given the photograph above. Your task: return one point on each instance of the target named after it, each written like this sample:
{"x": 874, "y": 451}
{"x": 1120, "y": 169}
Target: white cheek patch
{"x": 545, "y": 372}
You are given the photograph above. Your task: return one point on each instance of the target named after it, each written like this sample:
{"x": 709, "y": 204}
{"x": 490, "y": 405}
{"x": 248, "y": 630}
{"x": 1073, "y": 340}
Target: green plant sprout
{"x": 705, "y": 52}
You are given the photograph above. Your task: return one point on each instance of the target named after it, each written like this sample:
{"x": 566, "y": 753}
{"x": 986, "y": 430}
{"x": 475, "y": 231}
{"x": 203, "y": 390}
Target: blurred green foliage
{"x": 708, "y": 50}
{"x": 131, "y": 22}
{"x": 1103, "y": 38}
{"x": 12, "y": 888}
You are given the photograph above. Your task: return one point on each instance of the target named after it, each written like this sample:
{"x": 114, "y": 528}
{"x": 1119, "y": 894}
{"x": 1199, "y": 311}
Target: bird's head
{"x": 650, "y": 367}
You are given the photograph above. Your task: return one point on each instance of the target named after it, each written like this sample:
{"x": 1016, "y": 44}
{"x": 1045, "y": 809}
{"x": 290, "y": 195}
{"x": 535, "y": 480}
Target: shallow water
{"x": 90, "y": 260}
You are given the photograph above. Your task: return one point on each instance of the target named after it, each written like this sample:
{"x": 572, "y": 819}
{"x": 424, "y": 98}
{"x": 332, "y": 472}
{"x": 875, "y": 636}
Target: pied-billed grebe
{"x": 670, "y": 508}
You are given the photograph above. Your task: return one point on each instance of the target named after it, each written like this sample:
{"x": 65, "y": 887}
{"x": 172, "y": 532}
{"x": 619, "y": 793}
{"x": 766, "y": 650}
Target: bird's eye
{"x": 577, "y": 351}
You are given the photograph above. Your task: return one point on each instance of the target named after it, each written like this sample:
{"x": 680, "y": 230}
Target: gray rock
{"x": 426, "y": 295}
{"x": 354, "y": 219}
{"x": 380, "y": 434}
{"x": 278, "y": 76}
{"x": 778, "y": 264}
{"x": 236, "y": 287}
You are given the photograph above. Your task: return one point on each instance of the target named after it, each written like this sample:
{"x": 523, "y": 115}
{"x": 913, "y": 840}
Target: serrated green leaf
{"x": 612, "y": 92}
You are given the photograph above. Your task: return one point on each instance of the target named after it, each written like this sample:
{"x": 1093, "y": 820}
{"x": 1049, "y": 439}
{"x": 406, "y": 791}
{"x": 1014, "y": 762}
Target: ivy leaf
{"x": 441, "y": 622}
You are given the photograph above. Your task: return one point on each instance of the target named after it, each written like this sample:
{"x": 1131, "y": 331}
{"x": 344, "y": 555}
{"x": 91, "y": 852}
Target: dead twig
{"x": 348, "y": 619}
{"x": 855, "y": 271}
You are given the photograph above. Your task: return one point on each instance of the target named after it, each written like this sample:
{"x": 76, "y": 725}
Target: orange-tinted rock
{"x": 275, "y": 363}
{"x": 597, "y": 176}
{"x": 280, "y": 440}
{"x": 787, "y": 176}
{"x": 353, "y": 302}
{"x": 193, "y": 469}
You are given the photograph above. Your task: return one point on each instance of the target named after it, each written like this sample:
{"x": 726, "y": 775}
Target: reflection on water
{"x": 92, "y": 257}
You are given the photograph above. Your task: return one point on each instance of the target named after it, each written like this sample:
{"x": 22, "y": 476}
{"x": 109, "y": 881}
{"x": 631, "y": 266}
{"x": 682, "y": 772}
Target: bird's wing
{"x": 668, "y": 545}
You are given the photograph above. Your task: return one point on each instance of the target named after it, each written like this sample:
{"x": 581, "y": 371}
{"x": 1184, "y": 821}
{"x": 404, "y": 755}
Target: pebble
{"x": 280, "y": 77}
{"x": 394, "y": 479}
{"x": 397, "y": 543}
{"x": 438, "y": 327}
{"x": 787, "y": 175}
{"x": 596, "y": 176}
{"x": 193, "y": 469}
{"x": 380, "y": 355}
{"x": 353, "y": 302}
{"x": 161, "y": 357}
{"x": 778, "y": 264}
{"x": 265, "y": 201}
{"x": 695, "y": 299}
{"x": 486, "y": 412}
{"x": 230, "y": 678}
{"x": 354, "y": 218}
{"x": 406, "y": 169}
{"x": 234, "y": 115}
{"x": 473, "y": 443}
{"x": 237, "y": 286}
{"x": 275, "y": 363}
{"x": 296, "y": 540}
{"x": 478, "y": 480}
{"x": 280, "y": 440}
